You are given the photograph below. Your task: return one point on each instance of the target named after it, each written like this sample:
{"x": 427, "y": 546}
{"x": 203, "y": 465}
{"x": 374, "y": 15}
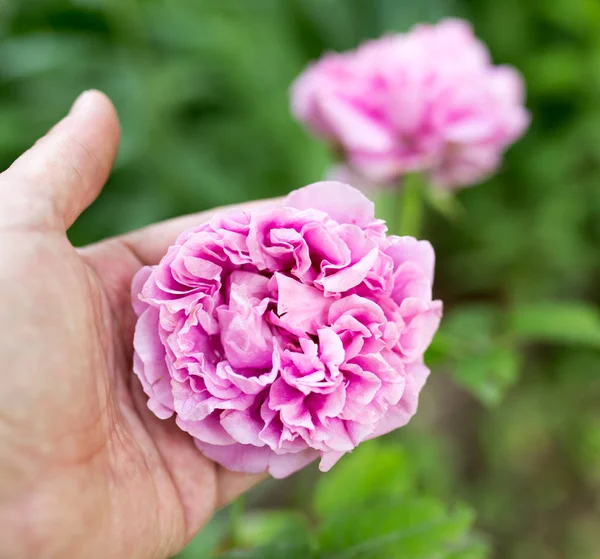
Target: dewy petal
{"x": 340, "y": 201}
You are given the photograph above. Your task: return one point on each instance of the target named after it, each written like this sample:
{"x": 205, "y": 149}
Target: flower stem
{"x": 409, "y": 212}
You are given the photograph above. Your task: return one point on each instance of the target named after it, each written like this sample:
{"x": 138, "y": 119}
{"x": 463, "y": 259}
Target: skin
{"x": 85, "y": 469}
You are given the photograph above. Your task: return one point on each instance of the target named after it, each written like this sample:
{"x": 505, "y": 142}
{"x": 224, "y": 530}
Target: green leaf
{"x": 487, "y": 375}
{"x": 276, "y": 550}
{"x": 479, "y": 357}
{"x": 414, "y": 528}
{"x": 567, "y": 323}
{"x": 472, "y": 548}
{"x": 291, "y": 544}
{"x": 400, "y": 16}
{"x": 445, "y": 202}
{"x": 386, "y": 203}
{"x": 471, "y": 327}
{"x": 373, "y": 470}
{"x": 261, "y": 527}
{"x": 33, "y": 54}
{"x": 557, "y": 70}
{"x": 205, "y": 543}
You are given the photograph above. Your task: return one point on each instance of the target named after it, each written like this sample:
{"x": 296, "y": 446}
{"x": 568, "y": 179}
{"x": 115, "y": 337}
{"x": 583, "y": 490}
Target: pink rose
{"x": 426, "y": 101}
{"x": 278, "y": 336}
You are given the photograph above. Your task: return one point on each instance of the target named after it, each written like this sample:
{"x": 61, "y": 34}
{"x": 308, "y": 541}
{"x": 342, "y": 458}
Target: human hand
{"x": 85, "y": 469}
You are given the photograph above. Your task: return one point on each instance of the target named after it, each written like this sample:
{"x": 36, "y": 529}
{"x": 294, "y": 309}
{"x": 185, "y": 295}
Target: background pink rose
{"x": 277, "y": 336}
{"x": 429, "y": 101}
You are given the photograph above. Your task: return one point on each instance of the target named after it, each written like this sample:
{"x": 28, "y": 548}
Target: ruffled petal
{"x": 340, "y": 201}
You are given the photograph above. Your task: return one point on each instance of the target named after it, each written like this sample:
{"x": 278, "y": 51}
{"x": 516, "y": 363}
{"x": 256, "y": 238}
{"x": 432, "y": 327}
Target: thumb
{"x": 55, "y": 180}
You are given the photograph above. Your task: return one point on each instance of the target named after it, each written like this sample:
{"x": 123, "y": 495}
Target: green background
{"x": 510, "y": 420}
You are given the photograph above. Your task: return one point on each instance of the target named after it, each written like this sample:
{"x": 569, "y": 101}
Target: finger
{"x": 55, "y": 180}
{"x": 230, "y": 485}
{"x": 201, "y": 485}
{"x": 151, "y": 243}
{"x": 192, "y": 475}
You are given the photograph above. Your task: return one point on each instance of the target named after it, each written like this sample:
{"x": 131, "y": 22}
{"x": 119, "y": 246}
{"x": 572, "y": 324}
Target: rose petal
{"x": 340, "y": 201}
{"x": 301, "y": 306}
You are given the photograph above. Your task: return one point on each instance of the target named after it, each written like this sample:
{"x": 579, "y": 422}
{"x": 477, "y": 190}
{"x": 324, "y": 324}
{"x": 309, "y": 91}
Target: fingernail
{"x": 82, "y": 103}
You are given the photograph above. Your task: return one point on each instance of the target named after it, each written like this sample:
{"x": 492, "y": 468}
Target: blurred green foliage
{"x": 368, "y": 508}
{"x": 201, "y": 87}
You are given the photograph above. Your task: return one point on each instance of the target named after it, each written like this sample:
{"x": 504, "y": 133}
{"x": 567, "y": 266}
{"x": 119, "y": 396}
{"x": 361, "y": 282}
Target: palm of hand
{"x": 84, "y": 466}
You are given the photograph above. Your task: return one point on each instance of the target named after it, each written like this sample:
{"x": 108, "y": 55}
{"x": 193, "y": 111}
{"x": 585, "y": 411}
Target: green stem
{"x": 409, "y": 212}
